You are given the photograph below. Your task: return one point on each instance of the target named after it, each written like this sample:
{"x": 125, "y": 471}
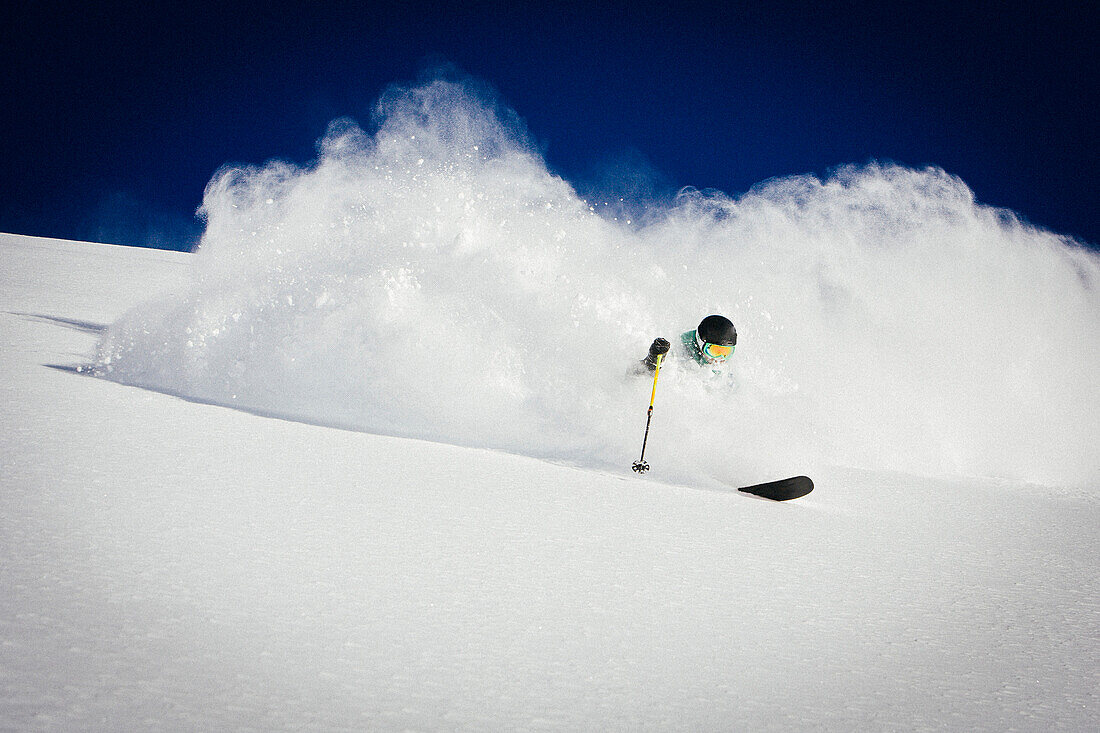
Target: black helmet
{"x": 717, "y": 330}
{"x": 715, "y": 338}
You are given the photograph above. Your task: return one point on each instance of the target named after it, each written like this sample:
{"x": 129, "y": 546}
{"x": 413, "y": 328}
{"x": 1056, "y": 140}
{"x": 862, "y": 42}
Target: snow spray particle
{"x": 434, "y": 280}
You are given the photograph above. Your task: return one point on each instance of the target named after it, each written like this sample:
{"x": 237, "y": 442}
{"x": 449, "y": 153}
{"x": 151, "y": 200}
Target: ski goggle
{"x": 718, "y": 352}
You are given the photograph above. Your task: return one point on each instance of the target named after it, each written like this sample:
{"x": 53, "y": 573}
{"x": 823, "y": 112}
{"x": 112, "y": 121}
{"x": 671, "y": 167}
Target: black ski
{"x": 782, "y": 490}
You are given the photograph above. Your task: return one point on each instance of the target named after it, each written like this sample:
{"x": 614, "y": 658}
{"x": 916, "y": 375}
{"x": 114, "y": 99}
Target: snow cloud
{"x": 431, "y": 278}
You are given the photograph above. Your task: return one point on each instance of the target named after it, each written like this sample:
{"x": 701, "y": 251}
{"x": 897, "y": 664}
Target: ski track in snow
{"x": 174, "y": 565}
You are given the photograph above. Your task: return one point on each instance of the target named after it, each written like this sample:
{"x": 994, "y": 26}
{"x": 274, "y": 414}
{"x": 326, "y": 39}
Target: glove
{"x": 658, "y": 347}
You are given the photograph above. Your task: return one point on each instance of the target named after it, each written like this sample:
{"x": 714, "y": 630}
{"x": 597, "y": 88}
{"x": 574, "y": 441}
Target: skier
{"x": 708, "y": 345}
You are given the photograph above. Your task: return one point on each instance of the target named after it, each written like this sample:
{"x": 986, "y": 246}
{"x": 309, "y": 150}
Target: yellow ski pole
{"x": 640, "y": 465}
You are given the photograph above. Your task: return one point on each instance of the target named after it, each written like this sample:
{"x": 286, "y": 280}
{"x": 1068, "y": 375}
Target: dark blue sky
{"x": 118, "y": 113}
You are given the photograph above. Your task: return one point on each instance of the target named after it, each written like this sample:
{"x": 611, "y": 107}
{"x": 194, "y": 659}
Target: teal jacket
{"x": 691, "y": 348}
{"x": 688, "y": 350}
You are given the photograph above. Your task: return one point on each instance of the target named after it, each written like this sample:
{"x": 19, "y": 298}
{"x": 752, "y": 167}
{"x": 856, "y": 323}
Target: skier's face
{"x": 716, "y": 352}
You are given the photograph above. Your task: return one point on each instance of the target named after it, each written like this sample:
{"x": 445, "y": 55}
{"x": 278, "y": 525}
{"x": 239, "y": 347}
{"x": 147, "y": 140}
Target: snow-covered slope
{"x": 171, "y": 564}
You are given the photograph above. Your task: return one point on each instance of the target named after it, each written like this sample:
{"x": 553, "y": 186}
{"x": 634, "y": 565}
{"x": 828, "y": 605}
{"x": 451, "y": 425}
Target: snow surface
{"x": 173, "y": 565}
